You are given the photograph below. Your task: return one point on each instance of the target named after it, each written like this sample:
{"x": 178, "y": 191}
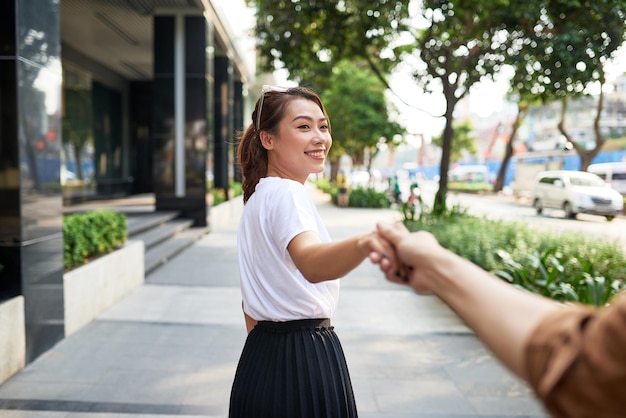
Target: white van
{"x": 613, "y": 173}
{"x": 575, "y": 192}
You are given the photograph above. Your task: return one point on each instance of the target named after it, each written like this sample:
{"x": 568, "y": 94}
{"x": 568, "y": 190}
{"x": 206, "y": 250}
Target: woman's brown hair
{"x": 251, "y": 155}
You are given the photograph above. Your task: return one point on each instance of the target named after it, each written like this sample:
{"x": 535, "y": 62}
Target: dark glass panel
{"x": 163, "y": 135}
{"x": 221, "y": 130}
{"x": 196, "y": 141}
{"x": 11, "y": 273}
{"x": 39, "y": 138}
{"x": 195, "y": 46}
{"x": 238, "y": 125}
{"x": 7, "y": 29}
{"x": 163, "y": 45}
{"x": 10, "y": 229}
{"x": 163, "y": 106}
{"x": 140, "y": 136}
{"x": 42, "y": 287}
{"x": 107, "y": 128}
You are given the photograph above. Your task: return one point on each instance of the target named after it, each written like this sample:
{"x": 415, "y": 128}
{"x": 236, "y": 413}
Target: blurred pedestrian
{"x": 342, "y": 190}
{"x": 292, "y": 364}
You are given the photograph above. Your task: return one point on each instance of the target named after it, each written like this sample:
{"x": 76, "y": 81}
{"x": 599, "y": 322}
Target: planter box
{"x": 12, "y": 337}
{"x": 90, "y": 289}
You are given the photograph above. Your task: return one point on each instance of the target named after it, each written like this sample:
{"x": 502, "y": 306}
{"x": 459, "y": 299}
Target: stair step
{"x": 162, "y": 232}
{"x": 136, "y": 223}
{"x": 163, "y": 252}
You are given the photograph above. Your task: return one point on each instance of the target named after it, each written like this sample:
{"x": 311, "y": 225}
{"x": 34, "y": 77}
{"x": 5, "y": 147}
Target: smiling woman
{"x": 292, "y": 363}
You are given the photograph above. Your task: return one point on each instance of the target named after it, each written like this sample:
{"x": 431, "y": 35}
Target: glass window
{"x": 77, "y": 168}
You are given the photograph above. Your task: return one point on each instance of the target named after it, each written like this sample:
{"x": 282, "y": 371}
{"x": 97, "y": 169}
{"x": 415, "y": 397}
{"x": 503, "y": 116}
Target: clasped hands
{"x": 409, "y": 258}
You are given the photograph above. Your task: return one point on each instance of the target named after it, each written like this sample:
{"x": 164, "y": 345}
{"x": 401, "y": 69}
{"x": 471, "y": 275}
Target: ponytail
{"x": 252, "y": 159}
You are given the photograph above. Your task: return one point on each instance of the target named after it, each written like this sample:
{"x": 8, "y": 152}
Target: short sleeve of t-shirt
{"x": 292, "y": 213}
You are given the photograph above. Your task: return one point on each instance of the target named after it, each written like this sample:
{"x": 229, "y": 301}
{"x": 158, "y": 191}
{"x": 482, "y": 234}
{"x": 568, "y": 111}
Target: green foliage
{"x": 358, "y": 198}
{"x": 568, "y": 44}
{"x": 367, "y": 198}
{"x": 219, "y": 195}
{"x": 308, "y": 38}
{"x": 566, "y": 266}
{"x": 325, "y": 185}
{"x": 90, "y": 234}
{"x": 235, "y": 186}
{"x": 359, "y": 112}
{"x": 552, "y": 274}
{"x": 462, "y": 139}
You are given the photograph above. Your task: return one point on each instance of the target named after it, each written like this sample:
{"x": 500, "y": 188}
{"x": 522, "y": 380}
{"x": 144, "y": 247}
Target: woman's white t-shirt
{"x": 273, "y": 289}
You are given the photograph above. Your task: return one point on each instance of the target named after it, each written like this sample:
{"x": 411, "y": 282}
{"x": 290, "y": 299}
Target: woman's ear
{"x": 266, "y": 140}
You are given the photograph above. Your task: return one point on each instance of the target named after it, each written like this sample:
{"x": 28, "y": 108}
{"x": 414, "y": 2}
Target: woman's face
{"x": 302, "y": 143}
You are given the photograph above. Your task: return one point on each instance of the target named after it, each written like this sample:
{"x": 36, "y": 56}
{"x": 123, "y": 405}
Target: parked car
{"x": 575, "y": 192}
{"x": 613, "y": 173}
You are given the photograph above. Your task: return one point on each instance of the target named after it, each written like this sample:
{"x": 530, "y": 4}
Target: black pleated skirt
{"x": 293, "y": 369}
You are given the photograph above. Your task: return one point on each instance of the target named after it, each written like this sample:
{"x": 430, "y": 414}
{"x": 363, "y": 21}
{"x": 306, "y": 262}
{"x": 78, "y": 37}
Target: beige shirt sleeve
{"x": 576, "y": 361}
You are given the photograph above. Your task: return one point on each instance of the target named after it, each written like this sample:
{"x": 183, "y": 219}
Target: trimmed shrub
{"x": 91, "y": 234}
{"x": 565, "y": 267}
{"x": 368, "y": 198}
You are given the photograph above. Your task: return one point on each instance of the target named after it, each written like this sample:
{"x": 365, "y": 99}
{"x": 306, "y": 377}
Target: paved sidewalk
{"x": 170, "y": 348}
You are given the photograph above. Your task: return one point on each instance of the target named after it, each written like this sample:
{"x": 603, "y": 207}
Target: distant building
{"x": 540, "y": 131}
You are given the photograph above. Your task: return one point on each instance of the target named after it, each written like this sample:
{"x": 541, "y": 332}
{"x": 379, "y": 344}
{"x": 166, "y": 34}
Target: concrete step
{"x": 136, "y": 223}
{"x": 161, "y": 253}
{"x": 161, "y": 232}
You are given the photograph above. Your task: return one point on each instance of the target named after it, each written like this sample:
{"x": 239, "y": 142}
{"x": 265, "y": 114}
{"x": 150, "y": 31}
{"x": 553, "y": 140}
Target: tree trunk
{"x": 439, "y": 205}
{"x": 586, "y": 156}
{"x": 521, "y": 114}
{"x": 334, "y": 168}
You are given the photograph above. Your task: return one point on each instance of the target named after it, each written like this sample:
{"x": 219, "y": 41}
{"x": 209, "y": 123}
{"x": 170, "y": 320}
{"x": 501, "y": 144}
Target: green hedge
{"x": 219, "y": 195}
{"x": 565, "y": 267}
{"x": 366, "y": 198}
{"x": 90, "y": 234}
{"x": 359, "y": 197}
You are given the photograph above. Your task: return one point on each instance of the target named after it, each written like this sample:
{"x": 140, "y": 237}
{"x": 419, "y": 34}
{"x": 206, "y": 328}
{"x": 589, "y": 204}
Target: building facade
{"x": 101, "y": 99}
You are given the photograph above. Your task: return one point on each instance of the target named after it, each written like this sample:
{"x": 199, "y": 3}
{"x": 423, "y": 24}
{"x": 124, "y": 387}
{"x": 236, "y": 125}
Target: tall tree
{"x": 461, "y": 43}
{"x": 359, "y": 113}
{"x": 566, "y": 49}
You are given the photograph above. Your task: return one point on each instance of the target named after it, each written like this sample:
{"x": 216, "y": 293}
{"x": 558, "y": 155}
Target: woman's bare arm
{"x": 319, "y": 261}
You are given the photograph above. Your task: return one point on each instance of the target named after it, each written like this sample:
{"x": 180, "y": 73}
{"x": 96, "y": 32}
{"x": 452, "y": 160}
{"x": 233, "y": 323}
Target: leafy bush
{"x": 236, "y": 187}
{"x": 325, "y": 185}
{"x": 367, "y": 198}
{"x": 219, "y": 195}
{"x": 565, "y": 266}
{"x": 553, "y": 275}
{"x": 90, "y": 234}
